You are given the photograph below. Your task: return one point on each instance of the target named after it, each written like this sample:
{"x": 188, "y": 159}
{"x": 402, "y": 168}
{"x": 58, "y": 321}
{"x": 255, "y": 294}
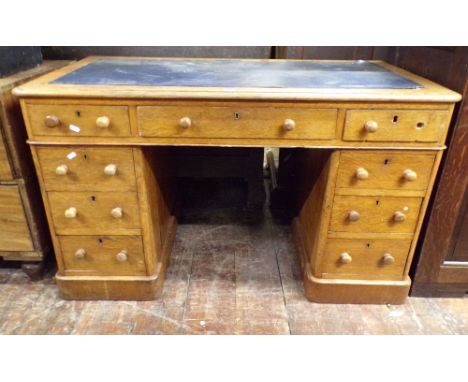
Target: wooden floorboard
{"x": 223, "y": 279}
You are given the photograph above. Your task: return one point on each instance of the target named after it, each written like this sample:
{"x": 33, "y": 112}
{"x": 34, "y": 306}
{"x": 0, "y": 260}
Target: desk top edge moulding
{"x": 100, "y": 128}
{"x": 67, "y": 82}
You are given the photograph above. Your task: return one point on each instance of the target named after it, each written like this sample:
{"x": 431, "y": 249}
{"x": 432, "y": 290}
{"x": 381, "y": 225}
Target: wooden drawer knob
{"x": 103, "y": 122}
{"x": 354, "y": 215}
{"x": 410, "y": 175}
{"x": 185, "y": 122}
{"x": 80, "y": 254}
{"x": 399, "y": 216}
{"x": 122, "y": 256}
{"x": 388, "y": 259}
{"x": 289, "y": 124}
{"x": 110, "y": 169}
{"x": 71, "y": 213}
{"x": 361, "y": 173}
{"x": 371, "y": 126}
{"x": 52, "y": 121}
{"x": 345, "y": 258}
{"x": 62, "y": 169}
{"x": 117, "y": 212}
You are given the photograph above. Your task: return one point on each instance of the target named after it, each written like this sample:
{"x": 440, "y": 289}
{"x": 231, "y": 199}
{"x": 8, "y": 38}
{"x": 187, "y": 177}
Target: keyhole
{"x": 100, "y": 241}
{"x": 78, "y": 113}
{"x": 236, "y": 115}
{"x": 377, "y": 202}
{"x": 368, "y": 245}
{"x": 85, "y": 157}
{"x": 93, "y": 198}
{"x": 395, "y": 118}
{"x": 386, "y": 161}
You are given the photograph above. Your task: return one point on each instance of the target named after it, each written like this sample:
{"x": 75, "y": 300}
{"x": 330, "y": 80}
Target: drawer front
{"x": 79, "y": 120}
{"x": 390, "y": 170}
{"x": 76, "y": 213}
{"x": 378, "y": 258}
{"x": 236, "y": 122}
{"x": 14, "y": 230}
{"x": 5, "y": 169}
{"x": 375, "y": 214}
{"x": 87, "y": 169}
{"x": 103, "y": 255}
{"x": 395, "y": 125}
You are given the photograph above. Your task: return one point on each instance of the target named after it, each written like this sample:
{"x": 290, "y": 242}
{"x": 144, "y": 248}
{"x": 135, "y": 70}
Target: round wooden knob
{"x": 185, "y": 122}
{"x": 110, "y": 169}
{"x": 71, "y": 213}
{"x": 345, "y": 258}
{"x": 289, "y": 124}
{"x": 410, "y": 175}
{"x": 354, "y": 215}
{"x": 388, "y": 259}
{"x": 117, "y": 212}
{"x": 399, "y": 216}
{"x": 80, "y": 253}
{"x": 361, "y": 173}
{"x": 103, "y": 122}
{"x": 371, "y": 126}
{"x": 122, "y": 256}
{"x": 52, "y": 121}
{"x": 62, "y": 169}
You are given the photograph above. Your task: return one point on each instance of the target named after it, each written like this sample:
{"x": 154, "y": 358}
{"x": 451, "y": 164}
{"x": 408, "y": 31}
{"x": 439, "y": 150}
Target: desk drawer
{"x": 378, "y": 258}
{"x": 14, "y": 229}
{"x": 395, "y": 125}
{"x": 375, "y": 214}
{"x": 389, "y": 170}
{"x": 88, "y": 213}
{"x": 103, "y": 255}
{"x": 79, "y": 120}
{"x": 87, "y": 169}
{"x": 236, "y": 122}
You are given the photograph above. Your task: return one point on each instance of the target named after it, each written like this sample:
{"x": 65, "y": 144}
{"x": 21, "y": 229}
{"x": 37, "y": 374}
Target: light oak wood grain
{"x": 385, "y": 170}
{"x": 86, "y": 169}
{"x": 376, "y": 214}
{"x": 396, "y": 125}
{"x": 14, "y": 230}
{"x": 100, "y": 253}
{"x": 367, "y": 259}
{"x": 93, "y": 215}
{"x": 5, "y": 169}
{"x": 83, "y": 117}
{"x": 236, "y": 122}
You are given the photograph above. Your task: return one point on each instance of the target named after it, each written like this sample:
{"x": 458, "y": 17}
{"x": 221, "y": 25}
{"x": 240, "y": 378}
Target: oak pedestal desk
{"x": 100, "y": 130}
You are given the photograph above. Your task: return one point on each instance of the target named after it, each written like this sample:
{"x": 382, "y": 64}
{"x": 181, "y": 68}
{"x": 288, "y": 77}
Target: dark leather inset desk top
{"x": 238, "y": 74}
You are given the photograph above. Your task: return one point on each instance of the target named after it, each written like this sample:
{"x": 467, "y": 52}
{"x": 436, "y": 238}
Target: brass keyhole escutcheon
{"x": 236, "y": 116}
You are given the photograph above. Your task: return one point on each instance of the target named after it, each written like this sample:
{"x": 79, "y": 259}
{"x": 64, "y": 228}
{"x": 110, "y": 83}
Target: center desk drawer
{"x": 395, "y": 125}
{"x": 237, "y": 122}
{"x": 100, "y": 213}
{"x": 103, "y": 255}
{"x": 388, "y": 170}
{"x": 379, "y": 214}
{"x": 79, "y": 120}
{"x": 87, "y": 169}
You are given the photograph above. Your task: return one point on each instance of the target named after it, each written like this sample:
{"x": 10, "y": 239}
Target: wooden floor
{"x": 223, "y": 279}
